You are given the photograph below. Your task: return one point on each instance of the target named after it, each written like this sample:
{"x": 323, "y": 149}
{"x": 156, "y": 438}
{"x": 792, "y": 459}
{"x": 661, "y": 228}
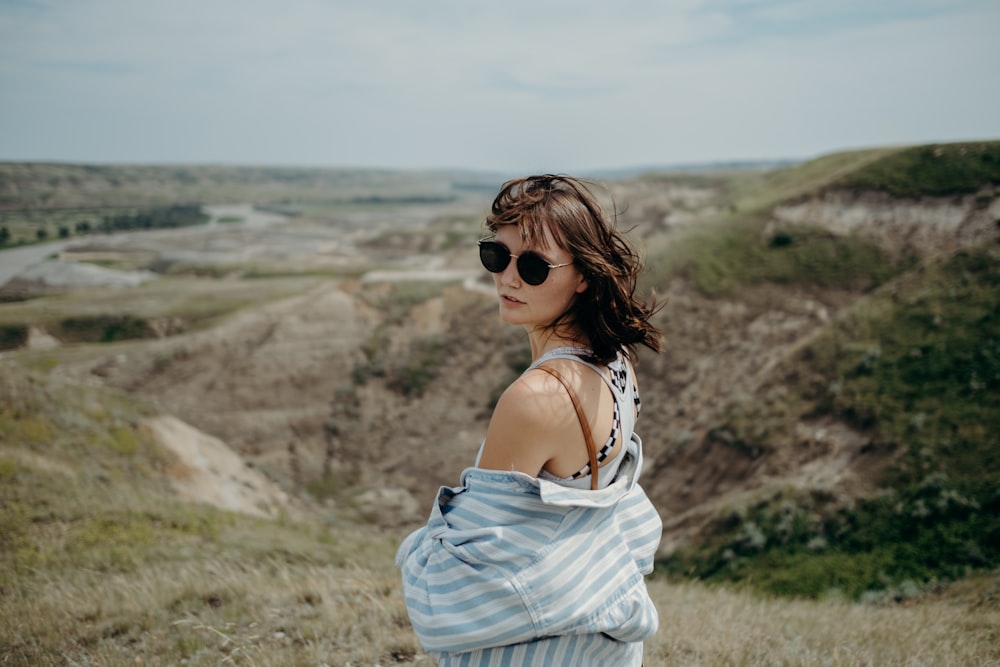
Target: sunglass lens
{"x": 494, "y": 256}
{"x": 532, "y": 268}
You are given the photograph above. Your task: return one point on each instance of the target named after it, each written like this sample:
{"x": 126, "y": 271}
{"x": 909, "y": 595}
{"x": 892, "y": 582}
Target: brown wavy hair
{"x": 608, "y": 312}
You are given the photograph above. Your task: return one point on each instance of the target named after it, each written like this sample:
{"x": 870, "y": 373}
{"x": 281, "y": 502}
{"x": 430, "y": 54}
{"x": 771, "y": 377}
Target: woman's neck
{"x": 546, "y": 340}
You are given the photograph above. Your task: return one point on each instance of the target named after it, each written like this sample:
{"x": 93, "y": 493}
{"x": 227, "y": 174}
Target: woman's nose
{"x": 510, "y": 276}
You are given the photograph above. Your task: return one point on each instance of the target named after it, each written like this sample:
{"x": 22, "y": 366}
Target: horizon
{"x": 685, "y": 166}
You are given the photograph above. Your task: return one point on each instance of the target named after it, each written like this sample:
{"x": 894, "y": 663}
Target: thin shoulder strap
{"x": 561, "y": 353}
{"x": 584, "y": 425}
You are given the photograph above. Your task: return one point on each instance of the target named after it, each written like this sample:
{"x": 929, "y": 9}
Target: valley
{"x": 327, "y": 355}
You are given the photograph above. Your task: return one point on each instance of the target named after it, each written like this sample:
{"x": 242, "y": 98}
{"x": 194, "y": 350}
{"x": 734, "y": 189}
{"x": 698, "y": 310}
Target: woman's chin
{"x": 511, "y": 314}
{"x": 508, "y": 318}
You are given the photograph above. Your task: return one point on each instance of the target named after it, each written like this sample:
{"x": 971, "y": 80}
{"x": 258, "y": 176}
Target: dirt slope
{"x": 208, "y": 471}
{"x": 260, "y": 381}
{"x": 266, "y": 382}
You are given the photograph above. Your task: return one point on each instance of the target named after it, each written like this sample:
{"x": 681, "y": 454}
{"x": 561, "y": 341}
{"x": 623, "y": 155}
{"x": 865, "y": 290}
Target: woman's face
{"x": 534, "y": 306}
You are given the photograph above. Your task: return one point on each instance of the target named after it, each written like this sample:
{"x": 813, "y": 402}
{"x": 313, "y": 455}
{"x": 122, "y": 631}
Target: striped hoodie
{"x": 514, "y": 570}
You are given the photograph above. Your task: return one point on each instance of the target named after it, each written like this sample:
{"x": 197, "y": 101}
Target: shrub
{"x": 421, "y": 366}
{"x": 104, "y": 328}
{"x": 13, "y": 336}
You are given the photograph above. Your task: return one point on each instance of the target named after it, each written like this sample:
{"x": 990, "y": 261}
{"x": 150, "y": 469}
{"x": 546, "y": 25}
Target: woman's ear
{"x": 582, "y": 287}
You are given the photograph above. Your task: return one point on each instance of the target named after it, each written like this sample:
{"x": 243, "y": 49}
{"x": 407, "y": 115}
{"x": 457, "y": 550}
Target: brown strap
{"x": 584, "y": 424}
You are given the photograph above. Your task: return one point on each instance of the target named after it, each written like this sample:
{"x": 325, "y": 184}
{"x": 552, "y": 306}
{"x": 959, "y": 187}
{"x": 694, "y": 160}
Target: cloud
{"x": 561, "y": 84}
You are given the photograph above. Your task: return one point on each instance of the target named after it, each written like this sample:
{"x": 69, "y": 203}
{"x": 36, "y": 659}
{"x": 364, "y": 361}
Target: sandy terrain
{"x": 208, "y": 471}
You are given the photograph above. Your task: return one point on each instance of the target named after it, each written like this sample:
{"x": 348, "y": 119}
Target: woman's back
{"x": 612, "y": 425}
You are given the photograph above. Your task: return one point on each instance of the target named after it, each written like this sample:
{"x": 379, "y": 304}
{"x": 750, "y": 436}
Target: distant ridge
{"x": 691, "y": 167}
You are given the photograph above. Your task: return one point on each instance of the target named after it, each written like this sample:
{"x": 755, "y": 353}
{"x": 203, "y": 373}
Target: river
{"x": 14, "y": 261}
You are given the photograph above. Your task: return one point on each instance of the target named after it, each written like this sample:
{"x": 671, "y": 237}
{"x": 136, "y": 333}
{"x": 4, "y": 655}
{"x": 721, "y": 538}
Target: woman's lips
{"x": 506, "y": 298}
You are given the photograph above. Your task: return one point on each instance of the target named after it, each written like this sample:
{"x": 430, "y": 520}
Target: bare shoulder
{"x": 540, "y": 396}
{"x": 527, "y": 424}
{"x": 536, "y": 385}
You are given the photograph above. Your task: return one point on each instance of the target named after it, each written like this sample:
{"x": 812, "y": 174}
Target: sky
{"x": 518, "y": 86}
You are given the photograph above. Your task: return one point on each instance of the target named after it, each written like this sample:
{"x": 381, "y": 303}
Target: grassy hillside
{"x": 101, "y": 564}
{"x": 741, "y": 251}
{"x": 914, "y": 367}
{"x": 937, "y": 170}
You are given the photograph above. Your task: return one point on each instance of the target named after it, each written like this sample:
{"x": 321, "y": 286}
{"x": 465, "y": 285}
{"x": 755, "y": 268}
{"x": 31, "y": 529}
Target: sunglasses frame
{"x": 521, "y": 267}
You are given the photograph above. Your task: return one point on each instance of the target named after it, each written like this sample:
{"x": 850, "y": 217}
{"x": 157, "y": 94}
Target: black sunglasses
{"x": 531, "y": 266}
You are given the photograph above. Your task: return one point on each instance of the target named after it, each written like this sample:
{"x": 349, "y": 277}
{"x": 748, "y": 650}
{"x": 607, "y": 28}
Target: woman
{"x": 538, "y": 557}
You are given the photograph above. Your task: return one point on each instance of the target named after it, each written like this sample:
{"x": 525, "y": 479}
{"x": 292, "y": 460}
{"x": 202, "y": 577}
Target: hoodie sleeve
{"x": 457, "y": 580}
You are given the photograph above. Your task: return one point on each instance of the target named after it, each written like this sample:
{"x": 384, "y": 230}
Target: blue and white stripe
{"x": 515, "y": 570}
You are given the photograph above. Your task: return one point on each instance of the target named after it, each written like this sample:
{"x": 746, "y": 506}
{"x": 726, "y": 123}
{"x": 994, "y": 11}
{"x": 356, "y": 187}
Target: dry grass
{"x": 210, "y": 611}
{"x": 101, "y": 565}
{"x": 711, "y": 626}
{"x": 222, "y": 610}
{"x": 196, "y": 302}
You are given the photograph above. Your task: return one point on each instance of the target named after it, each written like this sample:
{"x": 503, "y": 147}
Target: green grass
{"x": 936, "y": 170}
{"x": 725, "y": 257}
{"x": 923, "y": 363}
{"x": 759, "y": 194}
